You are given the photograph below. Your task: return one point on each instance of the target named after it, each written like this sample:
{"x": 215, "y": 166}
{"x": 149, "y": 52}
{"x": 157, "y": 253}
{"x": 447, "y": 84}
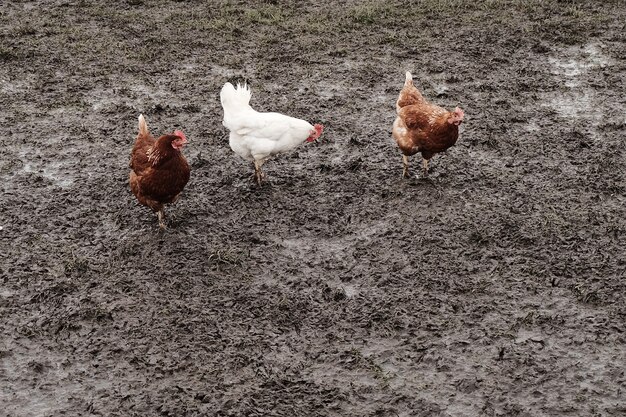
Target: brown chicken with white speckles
{"x": 158, "y": 170}
{"x": 423, "y": 127}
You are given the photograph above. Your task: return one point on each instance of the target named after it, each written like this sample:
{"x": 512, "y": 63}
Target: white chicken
{"x": 256, "y": 136}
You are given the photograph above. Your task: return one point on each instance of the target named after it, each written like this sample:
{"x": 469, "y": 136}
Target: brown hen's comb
{"x": 180, "y": 134}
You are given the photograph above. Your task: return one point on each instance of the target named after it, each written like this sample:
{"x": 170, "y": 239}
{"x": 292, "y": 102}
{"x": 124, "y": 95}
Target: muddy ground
{"x": 495, "y": 287}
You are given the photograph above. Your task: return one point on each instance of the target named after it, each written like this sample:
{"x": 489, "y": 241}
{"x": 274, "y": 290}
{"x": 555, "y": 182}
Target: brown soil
{"x": 495, "y": 287}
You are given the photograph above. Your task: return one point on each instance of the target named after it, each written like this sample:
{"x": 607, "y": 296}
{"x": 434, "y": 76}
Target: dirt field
{"x": 496, "y": 287}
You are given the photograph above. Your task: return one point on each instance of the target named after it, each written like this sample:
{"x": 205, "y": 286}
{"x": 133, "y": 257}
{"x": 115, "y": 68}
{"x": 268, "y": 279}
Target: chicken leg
{"x": 257, "y": 171}
{"x": 161, "y": 217}
{"x": 425, "y": 167}
{"x": 405, "y": 169}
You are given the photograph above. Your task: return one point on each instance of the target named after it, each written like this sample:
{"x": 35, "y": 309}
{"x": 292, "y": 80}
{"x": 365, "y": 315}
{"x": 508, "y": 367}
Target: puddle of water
{"x": 307, "y": 244}
{"x": 52, "y": 172}
{"x": 533, "y": 126}
{"x": 334, "y": 247}
{"x": 16, "y": 86}
{"x": 4, "y": 292}
{"x": 576, "y": 61}
{"x": 56, "y": 171}
{"x": 573, "y": 66}
{"x": 45, "y": 392}
{"x": 350, "y": 290}
{"x": 440, "y": 88}
{"x": 576, "y": 105}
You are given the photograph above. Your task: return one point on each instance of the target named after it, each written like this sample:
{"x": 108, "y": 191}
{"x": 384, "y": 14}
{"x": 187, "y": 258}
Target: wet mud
{"x": 494, "y": 287}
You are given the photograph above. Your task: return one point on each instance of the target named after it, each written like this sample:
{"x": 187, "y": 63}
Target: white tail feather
{"x": 235, "y": 98}
{"x": 409, "y": 78}
{"x": 143, "y": 127}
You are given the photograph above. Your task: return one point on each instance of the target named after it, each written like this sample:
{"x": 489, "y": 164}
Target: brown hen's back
{"x": 159, "y": 171}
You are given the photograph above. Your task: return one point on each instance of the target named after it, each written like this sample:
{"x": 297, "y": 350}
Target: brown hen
{"x": 423, "y": 127}
{"x": 158, "y": 170}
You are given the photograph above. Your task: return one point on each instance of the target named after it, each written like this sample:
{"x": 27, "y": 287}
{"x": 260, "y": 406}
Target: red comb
{"x": 180, "y": 134}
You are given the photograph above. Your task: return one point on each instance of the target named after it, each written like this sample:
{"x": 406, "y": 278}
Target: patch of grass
{"x": 368, "y": 14}
{"x": 491, "y": 141}
{"x": 10, "y": 166}
{"x": 25, "y": 29}
{"x": 95, "y": 314}
{"x": 615, "y": 230}
{"x": 334, "y": 294}
{"x": 267, "y": 15}
{"x": 525, "y": 321}
{"x": 223, "y": 24}
{"x": 553, "y": 221}
{"x": 28, "y": 331}
{"x": 480, "y": 236}
{"x": 235, "y": 19}
{"x": 74, "y": 264}
{"x": 37, "y": 366}
{"x": 586, "y": 295}
{"x": 574, "y": 11}
{"x": 66, "y": 324}
{"x": 374, "y": 12}
{"x": 227, "y": 257}
{"x": 380, "y": 375}
{"x": 56, "y": 291}
{"x": 7, "y": 54}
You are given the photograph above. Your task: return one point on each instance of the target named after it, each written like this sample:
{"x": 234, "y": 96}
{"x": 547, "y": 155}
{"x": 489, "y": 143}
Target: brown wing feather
{"x": 166, "y": 181}
{"x": 424, "y": 128}
{"x": 139, "y": 155}
{"x": 416, "y": 116}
